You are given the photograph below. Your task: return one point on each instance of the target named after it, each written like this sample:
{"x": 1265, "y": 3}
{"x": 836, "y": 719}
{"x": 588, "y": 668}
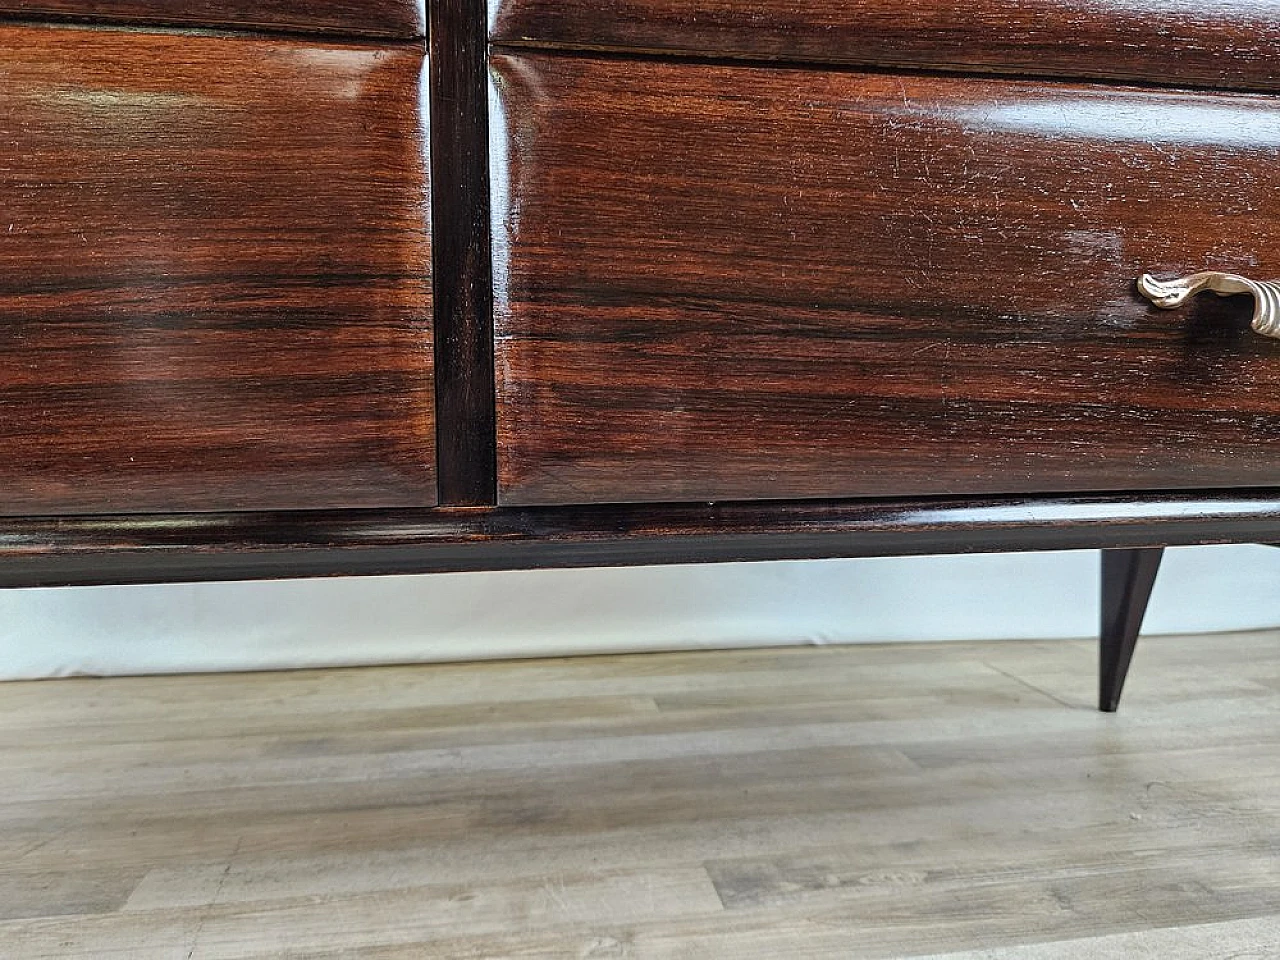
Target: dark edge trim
{"x": 853, "y": 63}
{"x": 153, "y": 549}
{"x": 183, "y": 25}
{"x": 466, "y": 432}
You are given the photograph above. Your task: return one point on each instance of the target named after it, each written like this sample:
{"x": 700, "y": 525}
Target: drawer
{"x": 778, "y": 283}
{"x": 1206, "y": 43}
{"x": 214, "y": 274}
{"x": 382, "y": 18}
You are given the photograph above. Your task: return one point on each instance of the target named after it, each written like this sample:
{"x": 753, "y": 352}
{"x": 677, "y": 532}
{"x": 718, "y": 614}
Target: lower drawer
{"x": 214, "y": 274}
{"x": 720, "y": 282}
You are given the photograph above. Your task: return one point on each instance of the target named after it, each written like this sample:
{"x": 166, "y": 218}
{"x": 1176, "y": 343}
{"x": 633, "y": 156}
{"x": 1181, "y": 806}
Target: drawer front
{"x": 381, "y": 18}
{"x": 1231, "y": 43}
{"x": 214, "y": 274}
{"x": 728, "y": 282}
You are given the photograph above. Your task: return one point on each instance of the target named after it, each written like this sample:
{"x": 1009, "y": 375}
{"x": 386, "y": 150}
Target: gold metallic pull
{"x": 1171, "y": 293}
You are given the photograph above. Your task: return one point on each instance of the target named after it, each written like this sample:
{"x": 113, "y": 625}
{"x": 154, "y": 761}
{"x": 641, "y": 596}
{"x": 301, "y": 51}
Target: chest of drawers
{"x": 305, "y": 293}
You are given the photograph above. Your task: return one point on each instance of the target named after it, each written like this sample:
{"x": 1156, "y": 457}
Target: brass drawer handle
{"x": 1171, "y": 293}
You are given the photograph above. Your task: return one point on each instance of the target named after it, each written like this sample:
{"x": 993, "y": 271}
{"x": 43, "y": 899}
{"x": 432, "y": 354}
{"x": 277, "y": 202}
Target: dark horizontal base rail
{"x": 189, "y": 547}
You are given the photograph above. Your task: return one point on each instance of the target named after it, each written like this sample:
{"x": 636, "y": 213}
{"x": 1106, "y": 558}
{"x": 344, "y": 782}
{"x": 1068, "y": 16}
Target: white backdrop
{"x": 246, "y": 626}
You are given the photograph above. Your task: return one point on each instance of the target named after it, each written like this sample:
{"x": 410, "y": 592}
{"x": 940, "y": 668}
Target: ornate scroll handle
{"x": 1171, "y": 293}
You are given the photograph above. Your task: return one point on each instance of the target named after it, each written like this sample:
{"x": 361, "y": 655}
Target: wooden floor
{"x": 961, "y": 801}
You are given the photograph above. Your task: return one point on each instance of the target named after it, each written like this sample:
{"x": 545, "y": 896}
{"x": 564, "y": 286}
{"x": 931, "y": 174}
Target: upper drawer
{"x": 724, "y": 282}
{"x": 380, "y": 18}
{"x": 215, "y": 274}
{"x": 1229, "y": 42}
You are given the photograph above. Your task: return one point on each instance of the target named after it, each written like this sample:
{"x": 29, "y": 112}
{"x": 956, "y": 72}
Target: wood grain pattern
{"x": 214, "y": 274}
{"x": 162, "y": 549}
{"x": 784, "y": 283}
{"x": 379, "y": 18}
{"x": 871, "y": 802}
{"x": 1234, "y": 44}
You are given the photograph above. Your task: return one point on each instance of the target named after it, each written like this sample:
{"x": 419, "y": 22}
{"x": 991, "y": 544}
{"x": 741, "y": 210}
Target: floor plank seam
{"x": 214, "y": 900}
{"x": 1029, "y": 685}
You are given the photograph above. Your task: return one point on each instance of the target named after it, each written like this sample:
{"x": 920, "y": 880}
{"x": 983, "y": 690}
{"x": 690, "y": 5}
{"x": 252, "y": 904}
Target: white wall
{"x": 228, "y": 626}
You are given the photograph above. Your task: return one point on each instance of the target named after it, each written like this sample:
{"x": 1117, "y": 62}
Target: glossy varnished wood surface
{"x": 214, "y": 274}
{"x": 1234, "y": 43}
{"x": 835, "y": 803}
{"x": 155, "y": 549}
{"x": 722, "y": 282}
{"x": 463, "y": 294}
{"x": 382, "y": 18}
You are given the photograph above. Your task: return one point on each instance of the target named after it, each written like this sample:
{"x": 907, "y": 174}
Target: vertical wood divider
{"x": 465, "y": 410}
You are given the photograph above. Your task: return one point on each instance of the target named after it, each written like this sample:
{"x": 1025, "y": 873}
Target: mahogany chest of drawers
{"x": 354, "y": 288}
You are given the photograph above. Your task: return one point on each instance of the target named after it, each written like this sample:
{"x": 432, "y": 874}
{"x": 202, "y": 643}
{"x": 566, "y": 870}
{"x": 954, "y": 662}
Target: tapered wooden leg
{"x": 1127, "y": 579}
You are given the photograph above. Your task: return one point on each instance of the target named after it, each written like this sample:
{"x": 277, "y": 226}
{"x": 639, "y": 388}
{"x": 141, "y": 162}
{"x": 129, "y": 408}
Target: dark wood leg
{"x": 1127, "y": 579}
